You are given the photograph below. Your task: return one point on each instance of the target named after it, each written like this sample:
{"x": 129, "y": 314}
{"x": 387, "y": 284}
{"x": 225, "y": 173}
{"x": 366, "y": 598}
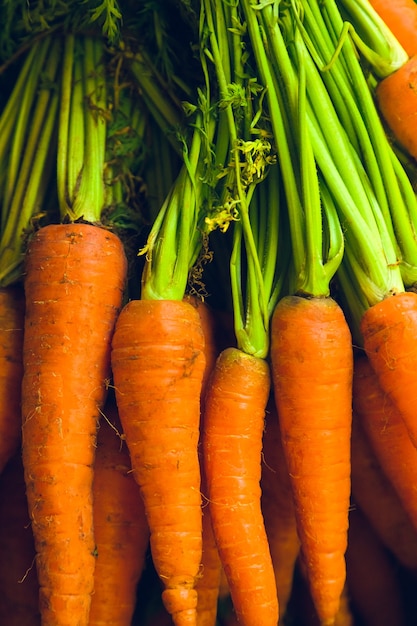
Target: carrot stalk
{"x": 401, "y": 18}
{"x": 12, "y": 311}
{"x": 159, "y": 407}
{"x": 74, "y": 283}
{"x": 232, "y": 441}
{"x": 120, "y": 527}
{"x": 311, "y": 349}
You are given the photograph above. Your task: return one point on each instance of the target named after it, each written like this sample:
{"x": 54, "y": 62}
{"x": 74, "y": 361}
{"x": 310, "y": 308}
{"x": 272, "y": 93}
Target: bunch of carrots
{"x": 208, "y": 313}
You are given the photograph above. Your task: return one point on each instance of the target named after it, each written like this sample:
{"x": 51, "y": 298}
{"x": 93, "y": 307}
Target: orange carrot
{"x": 389, "y": 330}
{"x": 397, "y": 101}
{"x": 120, "y": 527}
{"x": 74, "y": 282}
{"x": 232, "y": 441}
{"x": 372, "y": 576}
{"x": 401, "y": 18}
{"x": 376, "y": 497}
{"x": 158, "y": 365}
{"x": 19, "y": 587}
{"x": 12, "y": 311}
{"x": 387, "y": 434}
{"x": 312, "y": 363}
{"x": 278, "y": 508}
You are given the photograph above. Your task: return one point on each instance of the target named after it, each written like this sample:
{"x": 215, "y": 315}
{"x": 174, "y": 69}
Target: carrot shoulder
{"x": 120, "y": 527}
{"x": 397, "y": 101}
{"x": 232, "y": 442}
{"x": 312, "y": 365}
{"x": 158, "y": 365}
{"x": 12, "y": 311}
{"x": 401, "y": 18}
{"x": 389, "y": 330}
{"x": 74, "y": 281}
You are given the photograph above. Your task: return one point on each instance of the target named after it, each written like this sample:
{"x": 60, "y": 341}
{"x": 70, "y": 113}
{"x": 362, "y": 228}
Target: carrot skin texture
{"x": 232, "y": 441}
{"x": 397, "y": 101}
{"x": 401, "y": 18}
{"x": 389, "y": 331}
{"x": 278, "y": 508}
{"x": 387, "y": 434}
{"x": 120, "y": 527}
{"x": 19, "y": 589}
{"x": 312, "y": 367}
{"x": 75, "y": 277}
{"x": 12, "y": 313}
{"x": 158, "y": 366}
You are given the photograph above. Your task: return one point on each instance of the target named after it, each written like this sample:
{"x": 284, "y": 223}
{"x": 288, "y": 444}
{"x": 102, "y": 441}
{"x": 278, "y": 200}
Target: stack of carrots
{"x": 208, "y": 313}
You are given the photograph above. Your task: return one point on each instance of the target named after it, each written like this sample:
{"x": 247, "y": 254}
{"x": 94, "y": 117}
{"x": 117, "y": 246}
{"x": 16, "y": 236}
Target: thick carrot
{"x": 278, "y": 508}
{"x": 376, "y": 497}
{"x": 312, "y": 363}
{"x": 397, "y": 101}
{"x": 158, "y": 365}
{"x": 19, "y": 589}
{"x": 232, "y": 441}
{"x": 401, "y": 18}
{"x": 389, "y": 330}
{"x": 12, "y": 310}
{"x": 372, "y": 575}
{"x": 120, "y": 527}
{"x": 74, "y": 282}
{"x": 387, "y": 434}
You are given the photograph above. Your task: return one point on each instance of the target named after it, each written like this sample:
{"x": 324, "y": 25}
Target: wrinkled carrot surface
{"x": 74, "y": 281}
{"x": 232, "y": 441}
{"x": 158, "y": 366}
{"x": 312, "y": 365}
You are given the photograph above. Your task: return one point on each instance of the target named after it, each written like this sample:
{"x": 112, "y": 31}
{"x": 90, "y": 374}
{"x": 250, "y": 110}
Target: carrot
{"x": 232, "y": 440}
{"x": 377, "y": 499}
{"x": 278, "y": 508}
{"x": 75, "y": 275}
{"x": 389, "y": 331}
{"x": 120, "y": 527}
{"x": 19, "y": 587}
{"x": 397, "y": 101}
{"x": 401, "y": 18}
{"x": 12, "y": 309}
{"x": 387, "y": 434}
{"x": 372, "y": 575}
{"x": 312, "y": 365}
{"x": 158, "y": 365}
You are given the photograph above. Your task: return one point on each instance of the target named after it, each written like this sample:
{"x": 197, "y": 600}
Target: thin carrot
{"x": 19, "y": 589}
{"x": 12, "y": 309}
{"x": 120, "y": 527}
{"x": 401, "y": 18}
{"x": 387, "y": 434}
{"x": 397, "y": 101}
{"x": 312, "y": 365}
{"x": 74, "y": 283}
{"x": 278, "y": 508}
{"x": 158, "y": 366}
{"x": 232, "y": 441}
{"x": 378, "y": 500}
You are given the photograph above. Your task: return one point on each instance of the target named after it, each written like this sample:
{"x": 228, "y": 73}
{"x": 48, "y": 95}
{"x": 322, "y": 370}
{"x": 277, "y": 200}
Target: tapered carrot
{"x": 378, "y": 500}
{"x": 232, "y": 441}
{"x": 74, "y": 282}
{"x": 389, "y": 330}
{"x": 19, "y": 589}
{"x": 312, "y": 365}
{"x": 372, "y": 575}
{"x": 12, "y": 309}
{"x": 278, "y": 508}
{"x": 401, "y": 18}
{"x": 387, "y": 434}
{"x": 120, "y": 527}
{"x": 397, "y": 101}
{"x": 158, "y": 365}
